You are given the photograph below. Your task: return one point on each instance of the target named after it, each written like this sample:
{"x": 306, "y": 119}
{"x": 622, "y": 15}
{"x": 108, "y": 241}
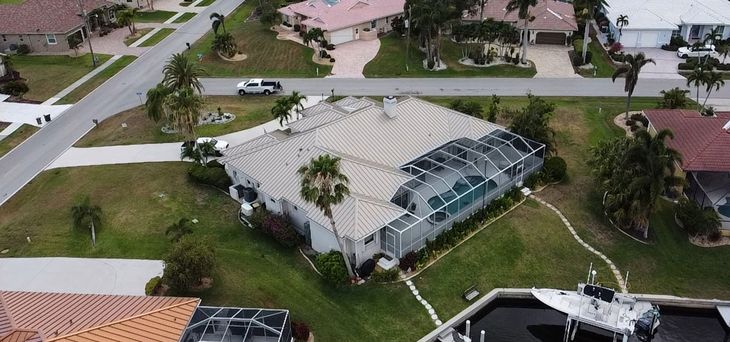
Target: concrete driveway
{"x": 351, "y": 57}
{"x": 551, "y": 61}
{"x": 666, "y": 63}
{"x": 78, "y": 275}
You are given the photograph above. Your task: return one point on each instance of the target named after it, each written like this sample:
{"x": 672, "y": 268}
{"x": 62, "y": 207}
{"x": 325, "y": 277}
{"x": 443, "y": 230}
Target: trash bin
{"x": 39, "y": 121}
{"x": 47, "y": 117}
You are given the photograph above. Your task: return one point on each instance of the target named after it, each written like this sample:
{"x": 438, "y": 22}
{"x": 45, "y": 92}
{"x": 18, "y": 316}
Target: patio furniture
{"x": 470, "y": 293}
{"x": 387, "y": 263}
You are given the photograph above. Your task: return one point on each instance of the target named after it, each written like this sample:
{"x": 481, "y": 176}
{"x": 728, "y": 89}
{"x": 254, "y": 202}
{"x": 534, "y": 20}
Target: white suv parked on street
{"x": 697, "y": 51}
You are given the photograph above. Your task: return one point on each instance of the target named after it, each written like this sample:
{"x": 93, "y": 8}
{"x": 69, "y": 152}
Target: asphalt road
{"x": 23, "y": 163}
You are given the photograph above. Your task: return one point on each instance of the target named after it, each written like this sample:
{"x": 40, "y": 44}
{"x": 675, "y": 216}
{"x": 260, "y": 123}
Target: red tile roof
{"x": 549, "y": 15}
{"x": 44, "y": 16}
{"x": 701, "y": 140}
{"x": 61, "y": 317}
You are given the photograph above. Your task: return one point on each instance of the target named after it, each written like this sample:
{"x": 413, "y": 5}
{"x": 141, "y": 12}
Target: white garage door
{"x": 341, "y": 36}
{"x": 649, "y": 39}
{"x": 629, "y": 38}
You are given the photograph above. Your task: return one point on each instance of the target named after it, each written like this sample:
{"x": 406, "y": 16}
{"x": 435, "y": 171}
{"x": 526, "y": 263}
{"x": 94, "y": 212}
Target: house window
{"x": 373, "y": 24}
{"x": 721, "y": 30}
{"x": 51, "y": 39}
{"x": 369, "y": 239}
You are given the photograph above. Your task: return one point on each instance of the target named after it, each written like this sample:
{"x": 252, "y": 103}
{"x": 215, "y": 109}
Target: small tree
{"x": 224, "y": 44}
{"x": 190, "y": 260}
{"x": 696, "y": 220}
{"x": 179, "y": 229}
{"x": 282, "y": 110}
{"x": 533, "y": 121}
{"x": 493, "y": 109}
{"x": 15, "y": 88}
{"x": 332, "y": 267}
{"x": 472, "y": 108}
{"x": 674, "y": 98}
{"x": 74, "y": 42}
{"x": 85, "y": 215}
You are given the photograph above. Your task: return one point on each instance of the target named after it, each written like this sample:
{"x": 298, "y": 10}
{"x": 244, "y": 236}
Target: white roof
{"x": 372, "y": 146}
{"x": 669, "y": 14}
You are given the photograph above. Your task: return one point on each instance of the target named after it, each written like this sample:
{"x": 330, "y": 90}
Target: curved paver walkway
{"x": 431, "y": 312}
{"x": 611, "y": 265}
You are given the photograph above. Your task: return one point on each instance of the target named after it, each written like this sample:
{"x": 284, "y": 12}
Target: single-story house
{"x": 46, "y": 25}
{"x": 554, "y": 21}
{"x": 414, "y": 168}
{"x": 65, "y": 317}
{"x": 652, "y": 23}
{"x": 704, "y": 142}
{"x": 344, "y": 20}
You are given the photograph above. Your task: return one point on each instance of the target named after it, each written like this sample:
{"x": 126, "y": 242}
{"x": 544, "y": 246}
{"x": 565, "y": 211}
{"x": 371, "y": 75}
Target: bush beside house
{"x": 332, "y": 267}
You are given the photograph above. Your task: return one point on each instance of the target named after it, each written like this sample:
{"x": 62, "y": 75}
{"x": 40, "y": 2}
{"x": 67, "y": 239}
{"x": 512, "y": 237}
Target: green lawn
{"x": 47, "y": 75}
{"x": 267, "y": 56}
{"x": 252, "y": 270}
{"x": 157, "y": 37}
{"x": 599, "y": 59}
{"x": 249, "y": 110}
{"x": 136, "y": 36}
{"x": 391, "y": 62}
{"x": 97, "y": 80}
{"x": 11, "y": 2}
{"x": 205, "y": 3}
{"x": 153, "y": 16}
{"x": 184, "y": 18}
{"x": 16, "y": 138}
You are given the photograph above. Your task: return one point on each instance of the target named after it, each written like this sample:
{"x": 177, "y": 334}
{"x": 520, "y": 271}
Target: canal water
{"x": 508, "y": 320}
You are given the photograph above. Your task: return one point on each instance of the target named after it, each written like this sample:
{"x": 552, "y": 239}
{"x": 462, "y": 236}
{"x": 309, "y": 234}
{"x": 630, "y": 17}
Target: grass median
{"x": 89, "y": 86}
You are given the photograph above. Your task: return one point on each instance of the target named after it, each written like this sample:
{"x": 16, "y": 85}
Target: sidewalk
{"x": 81, "y": 80}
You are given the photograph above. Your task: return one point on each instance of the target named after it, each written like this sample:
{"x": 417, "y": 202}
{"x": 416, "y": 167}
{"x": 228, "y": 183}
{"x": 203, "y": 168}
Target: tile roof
{"x": 549, "y": 15}
{"x": 44, "y": 16}
{"x": 701, "y": 140}
{"x": 332, "y": 15}
{"x": 36, "y": 316}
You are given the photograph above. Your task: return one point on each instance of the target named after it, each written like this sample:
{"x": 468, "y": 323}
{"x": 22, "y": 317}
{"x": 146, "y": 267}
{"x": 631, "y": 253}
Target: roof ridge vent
{"x": 726, "y": 128}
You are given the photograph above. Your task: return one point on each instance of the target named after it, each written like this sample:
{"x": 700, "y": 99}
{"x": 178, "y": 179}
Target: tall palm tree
{"x": 85, "y": 215}
{"x": 630, "y": 71}
{"x": 219, "y": 21}
{"x": 282, "y": 110}
{"x": 710, "y": 38}
{"x": 324, "y": 185}
{"x": 181, "y": 72}
{"x": 697, "y": 78}
{"x": 184, "y": 107}
{"x": 155, "y": 104}
{"x": 126, "y": 18}
{"x": 715, "y": 81}
{"x": 590, "y": 8}
{"x": 523, "y": 8}
{"x": 296, "y": 100}
{"x": 621, "y": 21}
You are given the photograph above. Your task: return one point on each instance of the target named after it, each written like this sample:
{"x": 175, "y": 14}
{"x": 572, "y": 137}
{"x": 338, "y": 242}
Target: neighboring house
{"x": 46, "y": 25}
{"x": 414, "y": 168}
{"x": 652, "y": 23}
{"x": 344, "y": 20}
{"x": 64, "y": 317}
{"x": 554, "y": 21}
{"x": 704, "y": 143}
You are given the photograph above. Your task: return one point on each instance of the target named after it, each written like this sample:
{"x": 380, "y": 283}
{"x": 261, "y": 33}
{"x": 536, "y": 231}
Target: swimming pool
{"x": 460, "y": 188}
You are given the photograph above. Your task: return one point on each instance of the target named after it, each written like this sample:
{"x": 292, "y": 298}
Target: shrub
{"x": 332, "y": 60}
{"x": 215, "y": 163}
{"x": 332, "y": 267}
{"x": 697, "y": 220}
{"x": 629, "y": 122}
{"x": 576, "y": 59}
{"x": 408, "y": 261}
{"x": 280, "y": 228}
{"x": 618, "y": 57}
{"x": 470, "y": 107}
{"x": 189, "y": 260}
{"x": 214, "y": 176}
{"x": 555, "y": 169}
{"x": 385, "y": 276}
{"x": 534, "y": 180}
{"x": 299, "y": 331}
{"x": 615, "y": 48}
{"x": 297, "y": 28}
{"x": 323, "y": 43}
{"x": 23, "y": 49}
{"x": 714, "y": 236}
{"x": 301, "y": 34}
{"x": 151, "y": 287}
{"x": 330, "y": 47}
{"x": 14, "y": 88}
{"x": 516, "y": 60}
{"x": 430, "y": 64}
{"x": 286, "y": 24}
{"x": 674, "y": 98}
{"x": 638, "y": 117}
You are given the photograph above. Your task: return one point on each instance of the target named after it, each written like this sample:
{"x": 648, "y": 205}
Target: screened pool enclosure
{"x": 224, "y": 324}
{"x": 449, "y": 183}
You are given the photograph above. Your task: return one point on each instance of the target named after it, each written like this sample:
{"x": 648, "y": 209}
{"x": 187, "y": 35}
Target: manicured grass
{"x": 97, "y": 80}
{"x": 157, "y": 37}
{"x": 47, "y": 75}
{"x": 135, "y": 37}
{"x": 11, "y": 2}
{"x": 599, "y": 59}
{"x": 205, "y": 3}
{"x": 16, "y": 138}
{"x": 267, "y": 56}
{"x": 391, "y": 62}
{"x": 250, "y": 111}
{"x": 139, "y": 201}
{"x": 153, "y": 16}
{"x": 184, "y": 18}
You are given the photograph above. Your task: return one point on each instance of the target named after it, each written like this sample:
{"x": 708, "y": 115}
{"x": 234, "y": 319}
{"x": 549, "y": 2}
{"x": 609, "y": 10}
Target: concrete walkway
{"x": 78, "y": 275}
{"x": 551, "y": 61}
{"x": 351, "y": 58}
{"x": 174, "y": 6}
{"x": 81, "y": 80}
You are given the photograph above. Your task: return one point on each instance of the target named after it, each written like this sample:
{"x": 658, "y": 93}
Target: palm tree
{"x": 126, "y": 18}
{"x": 179, "y": 229}
{"x": 219, "y": 21}
{"x": 630, "y": 70}
{"x": 282, "y": 110}
{"x": 697, "y": 78}
{"x": 184, "y": 108}
{"x": 723, "y": 50}
{"x": 206, "y": 149}
{"x": 523, "y": 8}
{"x": 88, "y": 216}
{"x": 181, "y": 72}
{"x": 621, "y": 21}
{"x": 711, "y": 37}
{"x": 713, "y": 80}
{"x": 590, "y": 7}
{"x": 323, "y": 185}
{"x": 224, "y": 44}
{"x": 193, "y": 153}
{"x": 296, "y": 100}
{"x": 155, "y": 104}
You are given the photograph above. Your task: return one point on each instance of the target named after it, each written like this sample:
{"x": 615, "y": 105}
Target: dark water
{"x": 529, "y": 320}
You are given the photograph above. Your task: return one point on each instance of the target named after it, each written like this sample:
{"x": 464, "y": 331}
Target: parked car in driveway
{"x": 258, "y": 86}
{"x": 697, "y": 51}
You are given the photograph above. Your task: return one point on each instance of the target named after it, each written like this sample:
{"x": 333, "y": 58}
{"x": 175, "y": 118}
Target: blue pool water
{"x": 461, "y": 188}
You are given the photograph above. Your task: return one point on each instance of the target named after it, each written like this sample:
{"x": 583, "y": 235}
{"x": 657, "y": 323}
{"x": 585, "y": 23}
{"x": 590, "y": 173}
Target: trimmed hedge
{"x": 214, "y": 176}
{"x": 385, "y": 276}
{"x": 332, "y": 267}
{"x": 555, "y": 169}
{"x": 152, "y": 285}
{"x": 408, "y": 261}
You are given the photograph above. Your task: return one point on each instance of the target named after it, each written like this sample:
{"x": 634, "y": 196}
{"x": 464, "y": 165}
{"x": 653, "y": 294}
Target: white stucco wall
{"x": 323, "y": 240}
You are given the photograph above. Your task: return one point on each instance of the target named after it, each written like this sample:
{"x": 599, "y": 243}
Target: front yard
{"x": 47, "y": 75}
{"x": 89, "y": 86}
{"x": 250, "y": 111}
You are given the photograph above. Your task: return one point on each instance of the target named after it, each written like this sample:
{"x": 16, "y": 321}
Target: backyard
{"x": 47, "y": 75}
{"x": 250, "y": 111}
{"x": 266, "y": 56}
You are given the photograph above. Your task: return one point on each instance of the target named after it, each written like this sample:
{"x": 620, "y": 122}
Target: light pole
{"x": 85, "y": 16}
{"x": 408, "y": 41}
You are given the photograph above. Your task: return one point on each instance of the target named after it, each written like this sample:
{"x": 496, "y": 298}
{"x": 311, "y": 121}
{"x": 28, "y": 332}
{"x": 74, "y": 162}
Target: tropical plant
{"x": 15, "y": 88}
{"x": 190, "y": 260}
{"x": 184, "y": 107}
{"x": 126, "y": 18}
{"x": 533, "y": 121}
{"x": 86, "y": 216}
{"x": 206, "y": 149}
{"x": 178, "y": 229}
{"x": 155, "y": 103}
{"x": 428, "y": 19}
{"x": 493, "y": 109}
{"x": 621, "y": 21}
{"x": 296, "y": 100}
{"x": 589, "y": 8}
{"x": 630, "y": 71}
{"x": 523, "y": 8}
{"x": 723, "y": 50}
{"x": 331, "y": 266}
{"x": 324, "y": 185}
{"x": 282, "y": 110}
{"x": 192, "y": 153}
{"x": 472, "y": 108}
{"x": 714, "y": 81}
{"x": 224, "y": 44}
{"x": 697, "y": 78}
{"x": 74, "y": 42}
{"x": 695, "y": 219}
{"x": 181, "y": 72}
{"x": 219, "y": 21}
{"x": 674, "y": 98}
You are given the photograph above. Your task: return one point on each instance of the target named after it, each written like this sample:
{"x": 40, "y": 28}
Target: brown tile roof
{"x": 701, "y": 140}
{"x": 549, "y": 15}
{"x": 35, "y": 316}
{"x": 44, "y": 16}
